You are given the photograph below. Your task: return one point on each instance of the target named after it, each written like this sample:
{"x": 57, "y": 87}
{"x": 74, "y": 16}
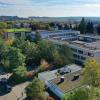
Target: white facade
{"x": 80, "y": 53}
{"x": 83, "y": 46}
{"x": 56, "y": 34}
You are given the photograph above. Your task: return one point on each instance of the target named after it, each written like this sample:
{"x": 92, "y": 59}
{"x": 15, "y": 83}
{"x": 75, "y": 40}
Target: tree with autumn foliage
{"x": 92, "y": 73}
{"x": 3, "y": 27}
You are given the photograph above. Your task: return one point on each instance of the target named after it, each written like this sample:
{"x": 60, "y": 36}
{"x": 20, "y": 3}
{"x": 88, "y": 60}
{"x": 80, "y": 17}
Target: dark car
{"x": 8, "y": 88}
{"x": 4, "y": 85}
{"x": 3, "y": 81}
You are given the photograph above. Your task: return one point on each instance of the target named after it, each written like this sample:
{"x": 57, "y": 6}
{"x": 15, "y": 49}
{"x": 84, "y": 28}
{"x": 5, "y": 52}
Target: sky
{"x": 50, "y": 8}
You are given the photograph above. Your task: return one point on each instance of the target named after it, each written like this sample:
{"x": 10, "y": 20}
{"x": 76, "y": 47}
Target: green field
{"x": 19, "y": 30}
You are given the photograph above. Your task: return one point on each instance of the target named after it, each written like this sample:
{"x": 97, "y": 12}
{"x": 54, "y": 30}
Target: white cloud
{"x": 93, "y": 5}
{"x": 27, "y": 8}
{"x": 17, "y": 2}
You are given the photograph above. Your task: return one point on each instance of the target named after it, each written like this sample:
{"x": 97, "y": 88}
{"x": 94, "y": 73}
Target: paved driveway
{"x": 17, "y": 93}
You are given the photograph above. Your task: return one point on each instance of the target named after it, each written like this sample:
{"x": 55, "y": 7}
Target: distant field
{"x": 18, "y": 30}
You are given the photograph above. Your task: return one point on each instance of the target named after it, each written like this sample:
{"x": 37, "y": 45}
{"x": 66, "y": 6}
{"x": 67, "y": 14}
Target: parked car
{"x": 5, "y": 86}
{"x": 8, "y": 88}
{"x": 63, "y": 71}
{"x": 3, "y": 81}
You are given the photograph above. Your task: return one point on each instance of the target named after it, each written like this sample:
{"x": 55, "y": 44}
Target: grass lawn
{"x": 18, "y": 30}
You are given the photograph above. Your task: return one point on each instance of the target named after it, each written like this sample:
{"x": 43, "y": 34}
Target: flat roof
{"x": 90, "y": 36}
{"x": 85, "y": 45}
{"x": 51, "y": 79}
{"x": 68, "y": 84}
{"x": 90, "y": 46}
{"x": 18, "y": 30}
{"x": 49, "y": 75}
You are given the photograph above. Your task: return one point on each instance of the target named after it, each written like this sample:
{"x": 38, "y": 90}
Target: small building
{"x": 16, "y": 33}
{"x": 52, "y": 79}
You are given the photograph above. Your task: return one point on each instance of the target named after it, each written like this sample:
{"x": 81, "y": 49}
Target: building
{"x": 52, "y": 79}
{"x": 16, "y": 33}
{"x": 56, "y": 34}
{"x": 83, "y": 46}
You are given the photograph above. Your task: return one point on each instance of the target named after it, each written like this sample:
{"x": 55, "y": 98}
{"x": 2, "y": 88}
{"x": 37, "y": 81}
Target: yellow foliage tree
{"x": 92, "y": 73}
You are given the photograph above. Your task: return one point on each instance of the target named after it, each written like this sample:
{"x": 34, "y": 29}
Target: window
{"x": 17, "y": 35}
{"x": 83, "y": 58}
{"x": 74, "y": 50}
{"x": 90, "y": 54}
{"x": 80, "y": 51}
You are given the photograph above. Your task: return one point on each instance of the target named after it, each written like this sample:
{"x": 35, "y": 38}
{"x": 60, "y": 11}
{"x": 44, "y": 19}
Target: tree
{"x": 45, "y": 51}
{"x": 92, "y": 73}
{"x": 3, "y": 25}
{"x": 80, "y": 94}
{"x": 29, "y": 49}
{"x": 52, "y": 24}
{"x": 19, "y": 74}
{"x": 60, "y": 26}
{"x": 44, "y": 65}
{"x": 13, "y": 59}
{"x": 65, "y": 54}
{"x": 98, "y": 29}
{"x": 47, "y": 27}
{"x": 66, "y": 27}
{"x": 35, "y": 90}
{"x": 37, "y": 37}
{"x": 3, "y": 51}
{"x": 82, "y": 26}
{"x": 89, "y": 27}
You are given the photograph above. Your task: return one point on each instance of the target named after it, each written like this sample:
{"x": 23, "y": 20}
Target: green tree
{"x": 37, "y": 37}
{"x": 65, "y": 54}
{"x": 80, "y": 94}
{"x": 89, "y": 27}
{"x": 29, "y": 49}
{"x": 98, "y": 29}
{"x": 66, "y": 27}
{"x": 35, "y": 90}
{"x": 14, "y": 58}
{"x": 19, "y": 74}
{"x": 3, "y": 50}
{"x": 47, "y": 27}
{"x": 82, "y": 26}
{"x": 3, "y": 25}
{"x": 45, "y": 49}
